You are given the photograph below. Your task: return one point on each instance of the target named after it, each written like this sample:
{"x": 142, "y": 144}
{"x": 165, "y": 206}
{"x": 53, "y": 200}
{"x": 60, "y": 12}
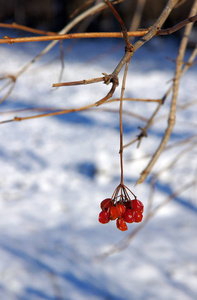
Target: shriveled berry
{"x": 113, "y": 213}
{"x": 128, "y": 216}
{"x": 105, "y": 204}
{"x": 138, "y": 216}
{"x": 121, "y": 224}
{"x": 137, "y": 205}
{"x": 128, "y": 204}
{"x": 121, "y": 209}
{"x": 103, "y": 217}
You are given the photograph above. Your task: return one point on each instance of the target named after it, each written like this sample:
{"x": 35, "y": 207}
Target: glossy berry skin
{"x": 105, "y": 204}
{"x": 128, "y": 216}
{"x": 121, "y": 224}
{"x": 121, "y": 209}
{"x": 137, "y": 205}
{"x": 113, "y": 213}
{"x": 138, "y": 216}
{"x": 103, "y": 217}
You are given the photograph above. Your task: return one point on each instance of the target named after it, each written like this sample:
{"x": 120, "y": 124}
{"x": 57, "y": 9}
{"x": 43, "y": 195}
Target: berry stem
{"x": 121, "y": 143}
{"x": 121, "y": 125}
{"x": 130, "y": 192}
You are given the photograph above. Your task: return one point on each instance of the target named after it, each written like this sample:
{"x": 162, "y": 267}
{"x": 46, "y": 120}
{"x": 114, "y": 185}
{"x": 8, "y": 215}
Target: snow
{"x": 55, "y": 171}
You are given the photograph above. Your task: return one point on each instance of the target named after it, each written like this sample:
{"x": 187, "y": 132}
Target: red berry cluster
{"x": 123, "y": 212}
{"x": 121, "y": 209}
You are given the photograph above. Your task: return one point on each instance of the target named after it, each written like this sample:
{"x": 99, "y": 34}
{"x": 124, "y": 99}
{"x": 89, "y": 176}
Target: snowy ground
{"x": 55, "y": 171}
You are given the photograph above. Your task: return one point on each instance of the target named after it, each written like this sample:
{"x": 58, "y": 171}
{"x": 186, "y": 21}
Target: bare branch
{"x": 171, "y": 118}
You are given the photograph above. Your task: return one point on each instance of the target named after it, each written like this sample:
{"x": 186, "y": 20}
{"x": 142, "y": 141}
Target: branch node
{"x": 129, "y": 48}
{"x": 114, "y": 80}
{"x": 107, "y": 79}
{"x": 143, "y": 132}
{"x": 17, "y": 119}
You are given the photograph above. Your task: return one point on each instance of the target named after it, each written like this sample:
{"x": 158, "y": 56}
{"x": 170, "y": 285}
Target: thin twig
{"x": 138, "y": 100}
{"x": 56, "y": 111}
{"x": 188, "y": 64}
{"x": 115, "y": 83}
{"x": 79, "y": 82}
{"x": 62, "y": 61}
{"x": 11, "y": 82}
{"x": 122, "y": 25}
{"x": 80, "y": 8}
{"x": 135, "y": 23}
{"x": 70, "y": 36}
{"x": 61, "y": 112}
{"x": 50, "y": 36}
{"x": 177, "y": 26}
{"x": 169, "y": 147}
{"x": 27, "y": 29}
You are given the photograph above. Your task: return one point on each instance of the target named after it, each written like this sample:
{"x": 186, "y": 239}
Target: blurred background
{"x": 54, "y": 14}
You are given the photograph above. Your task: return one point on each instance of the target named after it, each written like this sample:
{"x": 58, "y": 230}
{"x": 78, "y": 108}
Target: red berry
{"x": 105, "y": 204}
{"x": 121, "y": 209}
{"x": 128, "y": 216}
{"x": 121, "y": 224}
{"x": 103, "y": 217}
{"x": 138, "y": 216}
{"x": 113, "y": 213}
{"x": 137, "y": 205}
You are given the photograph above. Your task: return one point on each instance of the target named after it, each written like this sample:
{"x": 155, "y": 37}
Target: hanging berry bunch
{"x": 121, "y": 208}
